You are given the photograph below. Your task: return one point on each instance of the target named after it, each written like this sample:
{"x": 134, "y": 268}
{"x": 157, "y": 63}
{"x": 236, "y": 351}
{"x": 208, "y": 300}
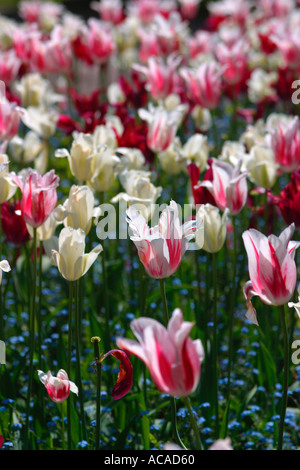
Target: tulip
{"x": 104, "y": 170}
{"x": 80, "y": 208}
{"x": 139, "y": 191}
{"x": 203, "y": 84}
{"x": 13, "y": 223}
{"x": 4, "y": 267}
{"x": 272, "y": 268}
{"x": 9, "y": 119}
{"x": 262, "y": 167}
{"x": 228, "y": 186}
{"x": 163, "y": 126}
{"x": 162, "y": 247}
{"x": 172, "y": 357}
{"x": 58, "y": 387}
{"x": 125, "y": 376}
{"x": 38, "y": 195}
{"x": 196, "y": 150}
{"x": 7, "y": 185}
{"x": 289, "y": 200}
{"x": 81, "y": 157}
{"x": 160, "y": 75}
{"x": 285, "y": 143}
{"x": 70, "y": 258}
{"x": 215, "y": 227}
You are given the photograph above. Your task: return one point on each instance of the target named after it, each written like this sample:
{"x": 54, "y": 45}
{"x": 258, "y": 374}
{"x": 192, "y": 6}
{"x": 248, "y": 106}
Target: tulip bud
{"x": 215, "y": 227}
{"x": 70, "y": 258}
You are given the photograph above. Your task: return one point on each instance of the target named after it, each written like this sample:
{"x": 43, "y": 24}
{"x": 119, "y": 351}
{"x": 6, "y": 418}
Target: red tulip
{"x": 125, "y": 375}
{"x": 13, "y": 223}
{"x": 289, "y": 200}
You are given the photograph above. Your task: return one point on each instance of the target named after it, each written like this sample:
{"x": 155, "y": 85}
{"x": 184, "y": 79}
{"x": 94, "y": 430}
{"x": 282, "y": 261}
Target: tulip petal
{"x": 125, "y": 375}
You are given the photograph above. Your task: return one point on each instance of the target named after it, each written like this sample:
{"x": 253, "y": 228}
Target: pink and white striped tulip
{"x": 58, "y": 387}
{"x": 163, "y": 126}
{"x": 38, "y": 195}
{"x": 162, "y": 247}
{"x": 285, "y": 143}
{"x": 228, "y": 186}
{"x": 161, "y": 76}
{"x": 272, "y": 268}
{"x": 172, "y": 357}
{"x": 203, "y": 84}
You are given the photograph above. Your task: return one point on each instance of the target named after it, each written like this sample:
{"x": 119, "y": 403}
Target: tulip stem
{"x": 95, "y": 340}
{"x": 215, "y": 344}
{"x": 176, "y": 436}
{"x": 77, "y": 340}
{"x": 193, "y": 422}
{"x": 69, "y": 361}
{"x": 32, "y": 335}
{"x": 231, "y": 312}
{"x": 285, "y": 376}
{"x": 62, "y": 426}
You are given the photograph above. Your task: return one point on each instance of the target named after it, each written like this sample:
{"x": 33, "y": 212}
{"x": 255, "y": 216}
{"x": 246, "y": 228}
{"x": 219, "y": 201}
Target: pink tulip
{"x": 228, "y": 186}
{"x": 58, "y": 387}
{"x": 172, "y": 357}
{"x": 163, "y": 126}
{"x": 203, "y": 84}
{"x": 160, "y": 75}
{"x": 272, "y": 268}
{"x": 9, "y": 119}
{"x": 162, "y": 247}
{"x": 38, "y": 195}
{"x": 9, "y": 66}
{"x": 285, "y": 142}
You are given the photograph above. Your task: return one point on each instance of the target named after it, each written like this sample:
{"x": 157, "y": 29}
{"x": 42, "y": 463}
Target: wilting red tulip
{"x": 272, "y": 268}
{"x": 172, "y": 357}
{"x": 1, "y": 441}
{"x": 58, "y": 387}
{"x": 125, "y": 375}
{"x": 38, "y": 195}
{"x": 228, "y": 186}
{"x": 289, "y": 200}
{"x": 13, "y": 223}
{"x": 162, "y": 247}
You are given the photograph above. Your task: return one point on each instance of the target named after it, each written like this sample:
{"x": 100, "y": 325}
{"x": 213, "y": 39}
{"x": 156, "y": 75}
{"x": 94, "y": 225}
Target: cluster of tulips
{"x": 150, "y": 104}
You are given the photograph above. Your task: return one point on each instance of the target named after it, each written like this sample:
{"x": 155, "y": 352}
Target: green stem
{"x": 77, "y": 340}
{"x": 285, "y": 376}
{"x": 193, "y": 423}
{"x": 69, "y": 361}
{"x": 176, "y": 436}
{"x": 95, "y": 340}
{"x": 32, "y": 335}
{"x": 62, "y": 426}
{"x": 232, "y": 305}
{"x": 215, "y": 343}
{"x": 39, "y": 316}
